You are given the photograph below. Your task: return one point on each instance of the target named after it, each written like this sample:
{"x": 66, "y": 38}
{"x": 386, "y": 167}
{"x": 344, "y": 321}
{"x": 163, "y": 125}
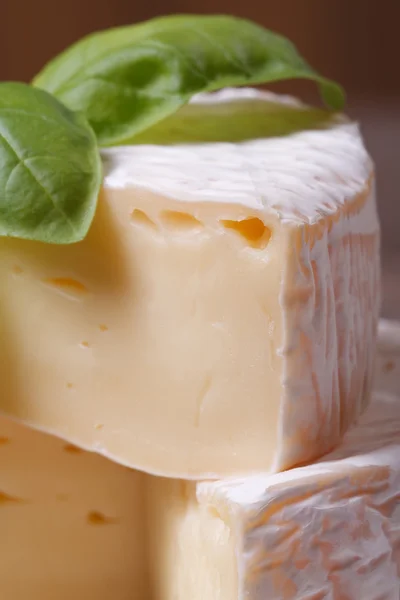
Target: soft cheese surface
{"x": 75, "y": 525}
{"x": 324, "y": 531}
{"x": 220, "y": 316}
{"x": 71, "y": 522}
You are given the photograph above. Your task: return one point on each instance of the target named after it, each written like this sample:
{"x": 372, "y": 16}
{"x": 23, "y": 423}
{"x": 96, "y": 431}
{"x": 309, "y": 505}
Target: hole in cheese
{"x": 103, "y": 327}
{"x": 252, "y": 230}
{"x": 180, "y": 220}
{"x": 7, "y": 499}
{"x": 72, "y": 449}
{"x": 67, "y": 285}
{"x": 85, "y": 344}
{"x": 140, "y": 217}
{"x": 95, "y": 517}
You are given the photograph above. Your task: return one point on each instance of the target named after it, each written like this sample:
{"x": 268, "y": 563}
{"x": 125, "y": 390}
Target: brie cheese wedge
{"x": 220, "y": 317}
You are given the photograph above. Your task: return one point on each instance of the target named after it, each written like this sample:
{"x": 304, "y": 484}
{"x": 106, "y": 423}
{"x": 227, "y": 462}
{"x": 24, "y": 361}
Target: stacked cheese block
{"x": 215, "y": 328}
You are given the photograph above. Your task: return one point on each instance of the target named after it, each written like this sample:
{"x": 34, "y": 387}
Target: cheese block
{"x": 220, "y": 317}
{"x": 327, "y": 531}
{"x": 71, "y": 522}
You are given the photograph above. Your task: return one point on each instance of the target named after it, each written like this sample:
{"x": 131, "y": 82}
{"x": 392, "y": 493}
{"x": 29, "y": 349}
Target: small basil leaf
{"x": 127, "y": 79}
{"x": 234, "y": 120}
{"x": 50, "y": 168}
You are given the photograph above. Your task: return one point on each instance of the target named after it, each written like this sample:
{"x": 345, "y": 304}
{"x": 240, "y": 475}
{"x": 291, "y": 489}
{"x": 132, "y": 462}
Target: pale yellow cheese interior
{"x": 145, "y": 343}
{"x": 71, "y": 522}
{"x": 194, "y": 552}
{"x": 74, "y": 524}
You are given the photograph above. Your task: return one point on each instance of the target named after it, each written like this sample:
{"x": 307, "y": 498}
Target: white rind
{"x": 339, "y": 309}
{"x": 330, "y": 529}
{"x": 300, "y": 178}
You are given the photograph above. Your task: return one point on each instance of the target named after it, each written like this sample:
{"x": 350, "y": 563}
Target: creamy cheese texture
{"x": 71, "y": 522}
{"x": 330, "y": 530}
{"x": 76, "y": 525}
{"x": 220, "y": 317}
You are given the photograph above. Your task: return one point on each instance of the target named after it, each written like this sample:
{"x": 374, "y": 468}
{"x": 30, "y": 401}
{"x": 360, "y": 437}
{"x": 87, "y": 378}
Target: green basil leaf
{"x": 234, "y": 120}
{"x": 127, "y": 79}
{"x": 50, "y": 168}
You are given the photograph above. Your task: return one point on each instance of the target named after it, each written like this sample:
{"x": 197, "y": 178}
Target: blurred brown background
{"x": 354, "y": 41}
